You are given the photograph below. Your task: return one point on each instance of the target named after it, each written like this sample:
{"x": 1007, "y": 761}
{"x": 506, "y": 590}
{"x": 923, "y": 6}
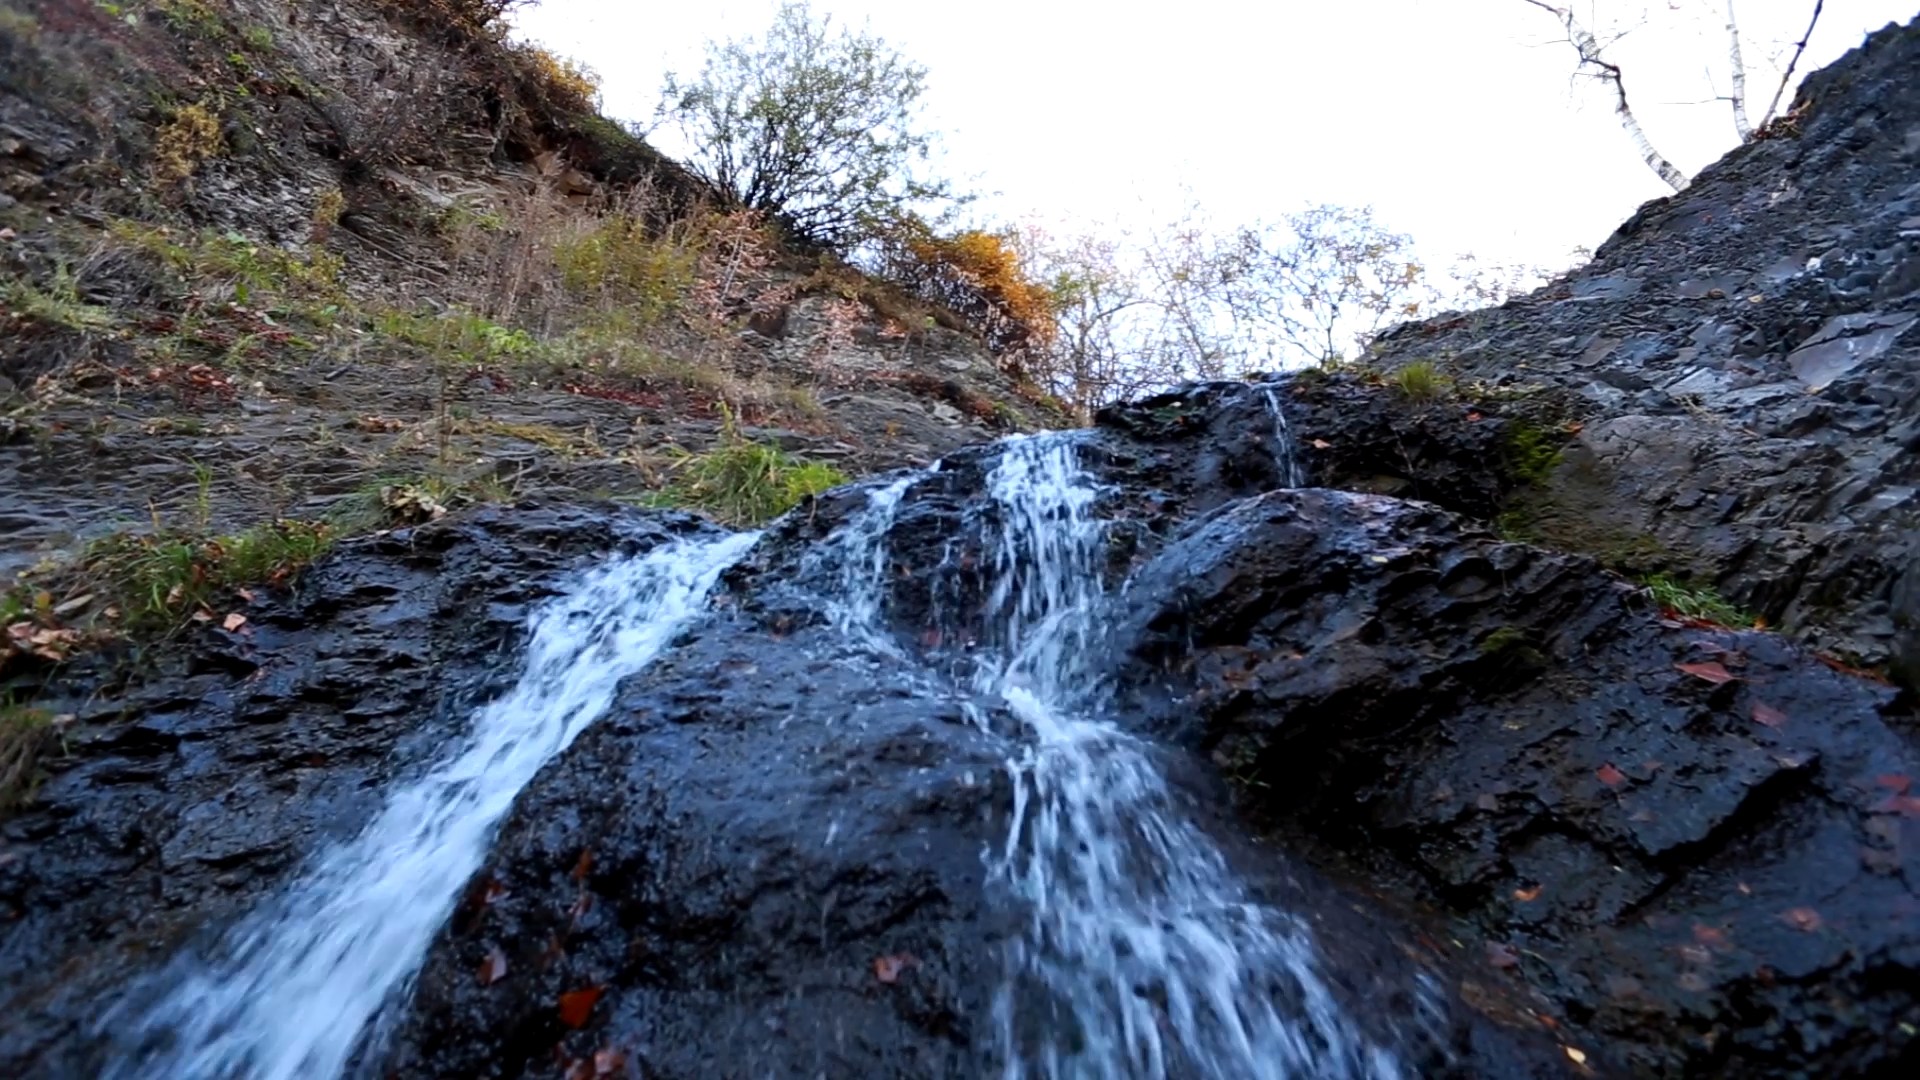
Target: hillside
{"x": 349, "y": 263}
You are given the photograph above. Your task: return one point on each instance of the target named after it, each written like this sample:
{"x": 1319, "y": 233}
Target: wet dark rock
{"x": 1763, "y": 306}
{"x": 769, "y": 860}
{"x": 1699, "y": 843}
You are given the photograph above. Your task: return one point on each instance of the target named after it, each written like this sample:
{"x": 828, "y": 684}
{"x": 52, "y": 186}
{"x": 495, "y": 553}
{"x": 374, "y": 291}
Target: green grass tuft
{"x": 1695, "y": 601}
{"x": 747, "y": 483}
{"x": 25, "y": 735}
{"x": 156, "y": 581}
{"x": 1422, "y": 381}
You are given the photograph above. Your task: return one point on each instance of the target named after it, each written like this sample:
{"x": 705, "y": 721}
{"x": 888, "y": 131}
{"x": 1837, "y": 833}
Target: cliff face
{"x": 1745, "y": 360}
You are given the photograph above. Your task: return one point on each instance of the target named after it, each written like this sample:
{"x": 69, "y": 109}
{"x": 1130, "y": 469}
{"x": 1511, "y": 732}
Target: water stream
{"x": 288, "y": 993}
{"x": 1143, "y": 955}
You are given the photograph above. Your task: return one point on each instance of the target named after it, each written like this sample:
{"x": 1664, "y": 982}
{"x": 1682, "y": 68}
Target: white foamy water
{"x": 289, "y": 991}
{"x": 1142, "y": 953}
{"x": 1284, "y": 449}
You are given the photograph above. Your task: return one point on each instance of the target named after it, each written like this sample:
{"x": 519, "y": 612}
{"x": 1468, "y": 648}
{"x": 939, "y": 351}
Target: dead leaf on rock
{"x": 889, "y": 968}
{"x": 1527, "y": 895}
{"x": 1321, "y": 444}
{"x": 577, "y": 1005}
{"x": 494, "y": 967}
{"x": 1768, "y": 716}
{"x": 1610, "y": 776}
{"x": 1904, "y": 805}
{"x": 1712, "y": 671}
{"x": 1897, "y": 783}
{"x": 1502, "y": 956}
{"x": 233, "y": 621}
{"x": 1802, "y": 918}
{"x": 585, "y": 866}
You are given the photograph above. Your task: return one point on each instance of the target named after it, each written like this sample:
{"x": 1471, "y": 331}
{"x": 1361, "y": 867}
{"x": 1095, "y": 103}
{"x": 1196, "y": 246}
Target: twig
{"x": 1799, "y": 48}
{"x": 1589, "y": 49}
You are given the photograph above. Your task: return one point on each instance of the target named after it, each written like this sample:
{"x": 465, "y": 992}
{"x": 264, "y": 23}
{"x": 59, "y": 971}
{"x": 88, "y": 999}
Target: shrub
{"x": 617, "y": 260}
{"x": 566, "y": 83}
{"x": 978, "y": 276}
{"x": 183, "y": 142}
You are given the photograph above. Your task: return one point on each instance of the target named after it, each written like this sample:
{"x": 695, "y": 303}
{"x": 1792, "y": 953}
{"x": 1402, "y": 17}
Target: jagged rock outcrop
{"x": 1745, "y": 356}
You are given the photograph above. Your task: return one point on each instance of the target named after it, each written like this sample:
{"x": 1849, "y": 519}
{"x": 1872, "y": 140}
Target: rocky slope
{"x": 1746, "y": 358}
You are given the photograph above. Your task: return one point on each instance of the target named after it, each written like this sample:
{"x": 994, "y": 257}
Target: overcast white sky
{"x": 1455, "y": 119}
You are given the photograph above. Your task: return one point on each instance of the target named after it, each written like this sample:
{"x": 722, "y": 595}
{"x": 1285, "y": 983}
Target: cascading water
{"x": 1284, "y": 450}
{"x": 1141, "y": 953}
{"x": 1142, "y": 956}
{"x": 294, "y": 987}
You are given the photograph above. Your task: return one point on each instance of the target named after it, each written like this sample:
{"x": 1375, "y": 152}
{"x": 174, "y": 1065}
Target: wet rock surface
{"x": 1745, "y": 357}
{"x": 1558, "y": 819}
{"x": 1695, "y": 843}
{"x": 211, "y": 780}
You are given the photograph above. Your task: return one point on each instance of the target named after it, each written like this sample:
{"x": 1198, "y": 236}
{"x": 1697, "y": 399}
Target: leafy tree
{"x": 816, "y": 126}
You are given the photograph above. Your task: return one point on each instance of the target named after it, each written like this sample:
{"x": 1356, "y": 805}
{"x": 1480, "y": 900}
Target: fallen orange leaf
{"x": 577, "y": 1005}
{"x": 1610, "y": 776}
{"x": 1802, "y": 918}
{"x": 1767, "y": 715}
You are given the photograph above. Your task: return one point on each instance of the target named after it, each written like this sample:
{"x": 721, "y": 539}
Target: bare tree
{"x": 1189, "y": 301}
{"x": 1594, "y": 63}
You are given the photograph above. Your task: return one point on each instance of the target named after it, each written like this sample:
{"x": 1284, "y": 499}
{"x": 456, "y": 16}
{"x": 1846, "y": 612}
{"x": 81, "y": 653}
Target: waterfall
{"x": 1285, "y": 452}
{"x": 290, "y": 991}
{"x": 1142, "y": 954}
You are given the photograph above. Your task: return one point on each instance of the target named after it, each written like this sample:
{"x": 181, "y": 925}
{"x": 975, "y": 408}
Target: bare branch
{"x": 1591, "y": 56}
{"x": 1801, "y": 47}
{"x": 1739, "y": 92}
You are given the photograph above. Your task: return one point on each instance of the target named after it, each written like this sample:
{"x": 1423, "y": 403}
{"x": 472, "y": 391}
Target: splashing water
{"x": 1285, "y": 452}
{"x": 855, "y": 557}
{"x": 296, "y": 983}
{"x": 1142, "y": 954}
